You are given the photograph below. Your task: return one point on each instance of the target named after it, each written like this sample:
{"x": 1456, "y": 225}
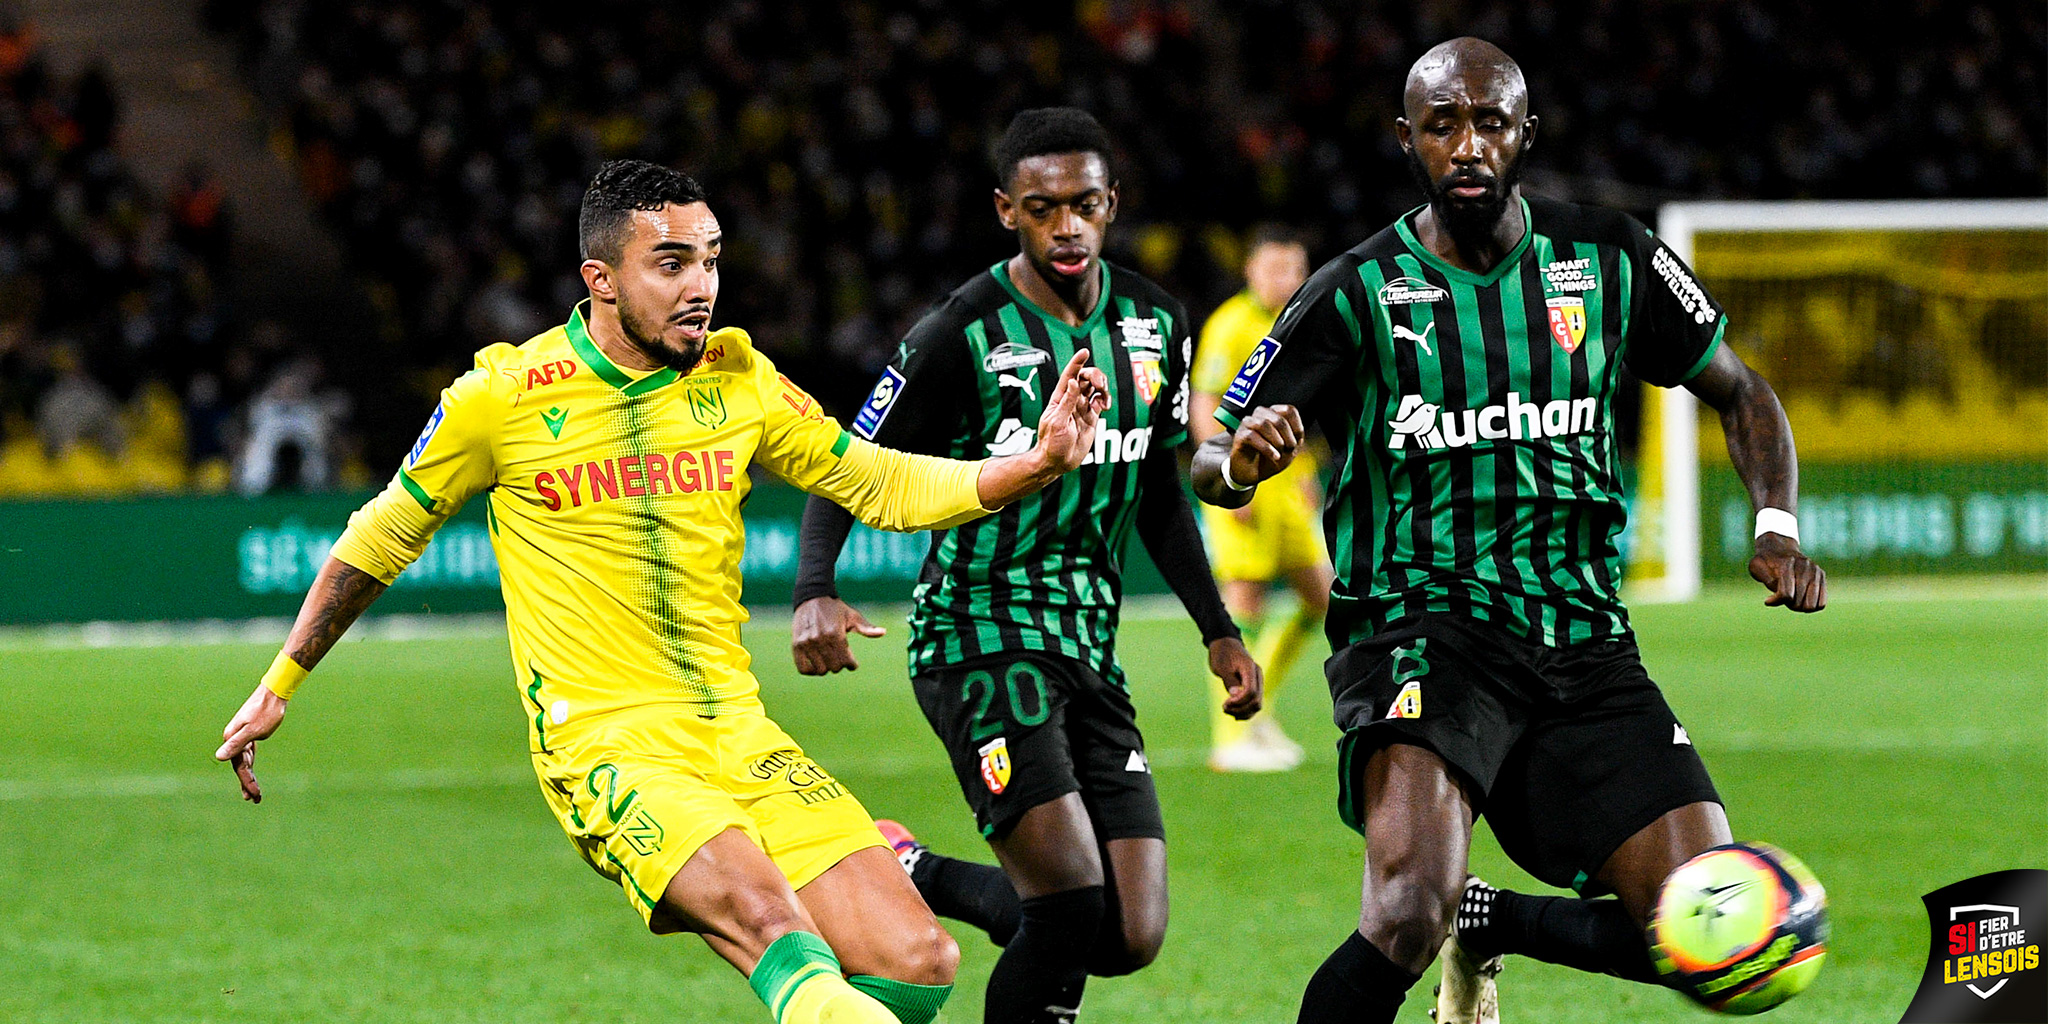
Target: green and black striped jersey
{"x": 1472, "y": 416}
{"x": 970, "y": 380}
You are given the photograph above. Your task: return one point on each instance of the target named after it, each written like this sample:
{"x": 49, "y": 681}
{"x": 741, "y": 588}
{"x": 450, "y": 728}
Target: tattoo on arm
{"x": 338, "y": 597}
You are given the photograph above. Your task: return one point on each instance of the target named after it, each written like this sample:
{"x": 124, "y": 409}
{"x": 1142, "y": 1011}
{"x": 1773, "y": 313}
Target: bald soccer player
{"x": 1462, "y": 364}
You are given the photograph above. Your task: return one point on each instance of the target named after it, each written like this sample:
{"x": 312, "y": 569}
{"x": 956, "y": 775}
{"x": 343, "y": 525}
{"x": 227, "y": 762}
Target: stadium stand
{"x": 845, "y": 143}
{"x": 447, "y": 143}
{"x": 110, "y": 304}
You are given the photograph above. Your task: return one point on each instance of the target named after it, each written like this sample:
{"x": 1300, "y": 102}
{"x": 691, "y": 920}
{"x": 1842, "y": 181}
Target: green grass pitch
{"x": 403, "y": 867}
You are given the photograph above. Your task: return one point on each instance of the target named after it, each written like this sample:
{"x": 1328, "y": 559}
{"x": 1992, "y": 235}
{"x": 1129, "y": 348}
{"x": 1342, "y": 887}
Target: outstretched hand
{"x": 1244, "y": 683}
{"x": 1795, "y": 581}
{"x": 260, "y": 716}
{"x": 818, "y": 635}
{"x": 1066, "y": 430}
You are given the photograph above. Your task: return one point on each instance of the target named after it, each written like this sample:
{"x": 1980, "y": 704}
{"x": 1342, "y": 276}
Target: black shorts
{"x": 1567, "y": 752}
{"x": 1028, "y": 728}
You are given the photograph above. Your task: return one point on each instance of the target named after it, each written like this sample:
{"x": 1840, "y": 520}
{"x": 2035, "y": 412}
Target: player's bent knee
{"x": 1138, "y": 948}
{"x": 1407, "y": 920}
{"x": 930, "y": 957}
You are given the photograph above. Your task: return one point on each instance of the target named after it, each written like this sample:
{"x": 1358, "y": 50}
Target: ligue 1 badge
{"x": 1984, "y": 962}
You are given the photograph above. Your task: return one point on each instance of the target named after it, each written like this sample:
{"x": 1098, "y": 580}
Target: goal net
{"x": 1909, "y": 343}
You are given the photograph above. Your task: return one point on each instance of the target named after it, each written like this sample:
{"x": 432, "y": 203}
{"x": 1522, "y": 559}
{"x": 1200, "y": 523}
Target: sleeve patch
{"x": 1247, "y": 379}
{"x": 419, "y": 447}
{"x": 1683, "y": 288}
{"x": 880, "y": 401}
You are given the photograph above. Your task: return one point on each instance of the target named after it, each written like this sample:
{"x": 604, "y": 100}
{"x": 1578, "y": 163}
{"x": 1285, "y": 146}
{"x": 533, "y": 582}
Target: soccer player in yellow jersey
{"x": 1273, "y": 539}
{"x": 613, "y": 452}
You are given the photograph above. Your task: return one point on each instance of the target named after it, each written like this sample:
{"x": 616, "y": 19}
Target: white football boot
{"x": 1468, "y": 993}
{"x": 1266, "y": 732}
{"x": 1249, "y": 755}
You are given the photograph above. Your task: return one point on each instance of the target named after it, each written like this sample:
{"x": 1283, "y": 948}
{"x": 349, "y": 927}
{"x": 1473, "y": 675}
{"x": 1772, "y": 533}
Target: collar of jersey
{"x": 1485, "y": 280}
{"x": 606, "y": 370}
{"x": 1002, "y": 275}
{"x": 1252, "y": 300}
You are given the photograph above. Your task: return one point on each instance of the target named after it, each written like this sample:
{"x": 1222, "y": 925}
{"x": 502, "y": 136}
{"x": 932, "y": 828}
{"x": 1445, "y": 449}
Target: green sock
{"x": 912, "y": 1004}
{"x": 787, "y": 964}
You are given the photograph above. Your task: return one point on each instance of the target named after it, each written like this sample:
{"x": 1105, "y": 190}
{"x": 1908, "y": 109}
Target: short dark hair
{"x": 1044, "y": 130}
{"x": 619, "y": 188}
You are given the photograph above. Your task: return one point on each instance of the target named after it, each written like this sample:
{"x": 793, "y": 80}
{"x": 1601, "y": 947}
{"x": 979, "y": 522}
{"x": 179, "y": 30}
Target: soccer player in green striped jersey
{"x": 1463, "y": 364}
{"x": 1014, "y": 621}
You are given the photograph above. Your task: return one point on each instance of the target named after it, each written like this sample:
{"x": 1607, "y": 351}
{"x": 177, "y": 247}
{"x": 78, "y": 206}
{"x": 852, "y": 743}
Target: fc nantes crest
{"x": 995, "y": 765}
{"x": 1568, "y": 321}
{"x": 707, "y": 405}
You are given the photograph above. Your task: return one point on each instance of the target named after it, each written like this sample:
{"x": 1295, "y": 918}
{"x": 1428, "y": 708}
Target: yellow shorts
{"x": 639, "y": 792}
{"x": 1282, "y": 537}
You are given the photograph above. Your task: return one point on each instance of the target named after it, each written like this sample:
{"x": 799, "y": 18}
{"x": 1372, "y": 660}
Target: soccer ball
{"x": 1740, "y": 928}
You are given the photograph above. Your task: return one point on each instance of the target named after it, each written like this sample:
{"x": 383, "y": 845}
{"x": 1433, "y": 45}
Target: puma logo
{"x": 1028, "y": 383}
{"x": 1420, "y": 339}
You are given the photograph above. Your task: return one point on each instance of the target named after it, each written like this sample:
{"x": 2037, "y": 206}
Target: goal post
{"x": 1909, "y": 342}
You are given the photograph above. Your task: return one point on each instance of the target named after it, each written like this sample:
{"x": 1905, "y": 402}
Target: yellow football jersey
{"x": 1228, "y": 339}
{"x": 614, "y": 511}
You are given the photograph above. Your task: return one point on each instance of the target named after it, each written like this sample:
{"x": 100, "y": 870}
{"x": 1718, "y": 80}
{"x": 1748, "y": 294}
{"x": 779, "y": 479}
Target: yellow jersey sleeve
{"x": 884, "y": 488}
{"x": 1227, "y": 338}
{"x": 452, "y": 460}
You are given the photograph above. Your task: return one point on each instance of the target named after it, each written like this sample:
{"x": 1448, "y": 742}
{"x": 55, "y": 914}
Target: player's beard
{"x": 645, "y": 332}
{"x": 1467, "y": 218}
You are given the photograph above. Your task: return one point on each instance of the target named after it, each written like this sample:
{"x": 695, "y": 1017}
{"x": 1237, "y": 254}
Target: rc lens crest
{"x": 1147, "y": 375}
{"x": 995, "y": 765}
{"x": 1567, "y": 321}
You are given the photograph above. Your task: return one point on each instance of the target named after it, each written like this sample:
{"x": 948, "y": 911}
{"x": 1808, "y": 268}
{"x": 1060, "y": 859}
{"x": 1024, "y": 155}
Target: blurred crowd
{"x": 447, "y": 143}
{"x": 846, "y": 145}
{"x": 122, "y": 369}
{"x": 1741, "y": 99}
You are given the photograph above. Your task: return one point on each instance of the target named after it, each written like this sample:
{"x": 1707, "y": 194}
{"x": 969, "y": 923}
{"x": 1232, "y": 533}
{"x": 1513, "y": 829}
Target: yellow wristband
{"x": 284, "y": 676}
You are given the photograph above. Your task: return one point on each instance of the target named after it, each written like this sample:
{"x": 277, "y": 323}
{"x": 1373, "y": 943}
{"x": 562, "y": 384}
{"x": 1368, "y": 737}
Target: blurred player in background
{"x": 1274, "y": 539}
{"x": 1013, "y": 630}
{"x": 1463, "y": 365}
{"x": 613, "y": 452}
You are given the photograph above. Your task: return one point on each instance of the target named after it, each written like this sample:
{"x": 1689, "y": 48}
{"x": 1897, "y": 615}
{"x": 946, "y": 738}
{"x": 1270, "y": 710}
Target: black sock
{"x": 1039, "y": 978}
{"x": 1590, "y": 935}
{"x": 979, "y": 894}
{"x": 1108, "y": 957}
{"x": 1356, "y": 985}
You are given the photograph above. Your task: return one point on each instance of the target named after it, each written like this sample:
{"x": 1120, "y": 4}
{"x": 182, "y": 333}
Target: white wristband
{"x": 1778, "y": 521}
{"x": 1233, "y": 484}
